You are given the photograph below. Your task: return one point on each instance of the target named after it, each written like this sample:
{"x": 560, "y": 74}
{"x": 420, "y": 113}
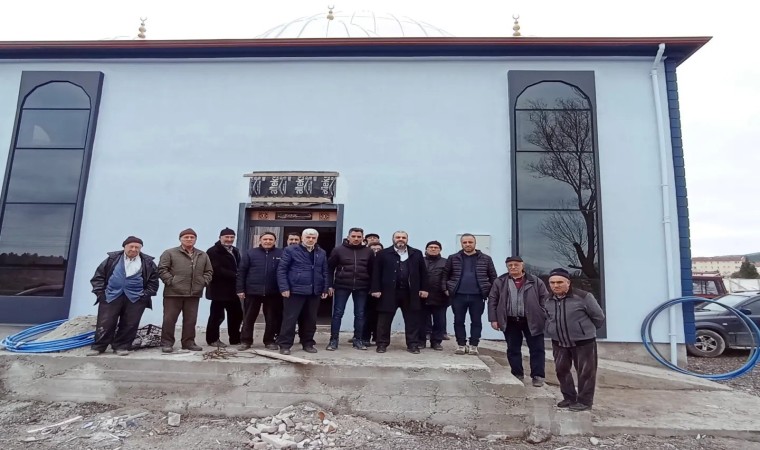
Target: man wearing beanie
{"x": 437, "y": 302}
{"x": 185, "y": 271}
{"x": 469, "y": 275}
{"x": 225, "y": 259}
{"x": 573, "y": 318}
{"x": 516, "y": 307}
{"x": 123, "y": 285}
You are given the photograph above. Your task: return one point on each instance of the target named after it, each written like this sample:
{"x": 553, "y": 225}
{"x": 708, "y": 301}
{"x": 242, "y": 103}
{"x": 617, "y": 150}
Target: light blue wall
{"x": 421, "y": 145}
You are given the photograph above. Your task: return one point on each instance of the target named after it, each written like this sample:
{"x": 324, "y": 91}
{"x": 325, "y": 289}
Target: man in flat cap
{"x": 573, "y": 318}
{"x": 225, "y": 259}
{"x": 516, "y": 307}
{"x": 185, "y": 271}
{"x": 123, "y": 285}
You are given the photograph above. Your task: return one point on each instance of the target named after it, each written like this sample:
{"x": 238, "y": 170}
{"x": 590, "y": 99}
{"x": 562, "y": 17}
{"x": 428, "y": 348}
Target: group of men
{"x": 289, "y": 284}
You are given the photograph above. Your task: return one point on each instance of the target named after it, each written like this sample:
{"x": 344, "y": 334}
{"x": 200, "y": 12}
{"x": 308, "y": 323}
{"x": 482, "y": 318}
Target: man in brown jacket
{"x": 185, "y": 271}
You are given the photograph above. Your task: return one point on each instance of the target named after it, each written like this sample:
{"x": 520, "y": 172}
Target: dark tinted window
{"x": 556, "y": 181}
{"x": 58, "y": 94}
{"x": 55, "y": 128}
{"x": 45, "y": 176}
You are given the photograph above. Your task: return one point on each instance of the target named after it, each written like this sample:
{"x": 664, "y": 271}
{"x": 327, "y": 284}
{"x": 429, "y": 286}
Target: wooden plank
{"x": 288, "y": 358}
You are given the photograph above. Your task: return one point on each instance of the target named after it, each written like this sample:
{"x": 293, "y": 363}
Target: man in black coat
{"x": 469, "y": 276}
{"x": 224, "y": 259}
{"x": 350, "y": 267}
{"x": 257, "y": 286}
{"x": 437, "y": 302}
{"x": 399, "y": 279}
{"x": 123, "y": 285}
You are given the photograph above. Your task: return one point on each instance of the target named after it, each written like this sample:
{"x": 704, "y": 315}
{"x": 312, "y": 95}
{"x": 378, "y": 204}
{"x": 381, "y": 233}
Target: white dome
{"x": 353, "y": 24}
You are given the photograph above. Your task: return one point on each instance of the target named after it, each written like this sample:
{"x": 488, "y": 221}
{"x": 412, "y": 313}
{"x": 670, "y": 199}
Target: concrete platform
{"x": 437, "y": 387}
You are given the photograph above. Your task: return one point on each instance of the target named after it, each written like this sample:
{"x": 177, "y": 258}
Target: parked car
{"x": 719, "y": 329}
{"x": 708, "y": 285}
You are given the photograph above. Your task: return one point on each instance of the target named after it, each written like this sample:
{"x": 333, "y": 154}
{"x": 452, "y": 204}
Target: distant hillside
{"x": 754, "y": 257}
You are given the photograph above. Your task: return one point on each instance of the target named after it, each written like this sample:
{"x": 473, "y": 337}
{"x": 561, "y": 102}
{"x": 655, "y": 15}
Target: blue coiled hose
{"x": 24, "y": 342}
{"x": 754, "y": 355}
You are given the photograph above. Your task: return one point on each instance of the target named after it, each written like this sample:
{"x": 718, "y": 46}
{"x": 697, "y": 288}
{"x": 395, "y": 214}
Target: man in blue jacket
{"x": 257, "y": 286}
{"x": 303, "y": 279}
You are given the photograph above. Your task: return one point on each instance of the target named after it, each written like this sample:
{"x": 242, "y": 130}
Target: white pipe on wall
{"x": 665, "y": 169}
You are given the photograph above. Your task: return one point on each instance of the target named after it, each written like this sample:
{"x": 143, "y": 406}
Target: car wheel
{"x": 709, "y": 344}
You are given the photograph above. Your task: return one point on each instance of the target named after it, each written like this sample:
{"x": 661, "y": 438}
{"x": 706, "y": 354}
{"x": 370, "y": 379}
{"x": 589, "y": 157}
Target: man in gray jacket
{"x": 573, "y": 318}
{"x": 516, "y": 307}
{"x": 185, "y": 271}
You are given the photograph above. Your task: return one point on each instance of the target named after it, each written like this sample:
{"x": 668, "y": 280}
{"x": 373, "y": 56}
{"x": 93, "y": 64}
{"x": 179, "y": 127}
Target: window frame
{"x": 520, "y": 80}
{"x": 40, "y": 309}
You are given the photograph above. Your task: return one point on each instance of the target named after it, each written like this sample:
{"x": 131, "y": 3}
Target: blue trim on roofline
{"x": 682, "y": 204}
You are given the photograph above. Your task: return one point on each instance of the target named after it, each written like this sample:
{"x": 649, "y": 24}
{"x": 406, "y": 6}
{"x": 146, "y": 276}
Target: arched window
{"x": 555, "y": 178}
{"x": 44, "y": 183}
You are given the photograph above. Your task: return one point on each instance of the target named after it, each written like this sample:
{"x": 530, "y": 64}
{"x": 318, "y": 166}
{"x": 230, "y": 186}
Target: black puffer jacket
{"x": 105, "y": 270}
{"x": 350, "y": 266}
{"x": 257, "y": 274}
{"x": 436, "y": 283}
{"x": 222, "y": 285}
{"x": 485, "y": 272}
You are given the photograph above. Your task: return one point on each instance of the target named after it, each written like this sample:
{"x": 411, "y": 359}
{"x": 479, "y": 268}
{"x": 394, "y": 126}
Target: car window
{"x": 753, "y": 306}
{"x": 728, "y": 300}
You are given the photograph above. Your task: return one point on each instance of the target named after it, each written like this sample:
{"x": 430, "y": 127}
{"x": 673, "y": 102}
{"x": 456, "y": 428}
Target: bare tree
{"x": 565, "y": 135}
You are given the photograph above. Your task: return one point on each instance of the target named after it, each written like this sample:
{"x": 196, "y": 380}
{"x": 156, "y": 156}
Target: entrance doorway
{"x": 326, "y": 219}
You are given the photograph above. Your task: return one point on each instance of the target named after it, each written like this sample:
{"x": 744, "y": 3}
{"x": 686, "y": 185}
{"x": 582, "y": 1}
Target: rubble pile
{"x": 305, "y": 426}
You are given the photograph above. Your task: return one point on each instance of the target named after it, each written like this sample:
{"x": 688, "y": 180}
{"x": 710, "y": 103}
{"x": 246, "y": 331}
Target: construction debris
{"x": 288, "y": 358}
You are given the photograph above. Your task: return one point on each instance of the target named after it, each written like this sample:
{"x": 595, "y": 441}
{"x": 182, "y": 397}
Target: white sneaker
{"x": 474, "y": 350}
{"x": 461, "y": 350}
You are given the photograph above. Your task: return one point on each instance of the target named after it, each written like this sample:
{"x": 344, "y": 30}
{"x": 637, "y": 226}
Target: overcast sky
{"x": 719, "y": 86}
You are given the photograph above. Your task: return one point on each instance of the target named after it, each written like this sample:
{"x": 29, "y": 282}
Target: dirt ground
{"x": 728, "y": 361}
{"x": 107, "y": 427}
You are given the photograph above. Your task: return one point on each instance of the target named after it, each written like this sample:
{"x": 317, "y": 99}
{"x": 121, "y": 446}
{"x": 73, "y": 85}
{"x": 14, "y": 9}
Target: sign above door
{"x": 292, "y": 187}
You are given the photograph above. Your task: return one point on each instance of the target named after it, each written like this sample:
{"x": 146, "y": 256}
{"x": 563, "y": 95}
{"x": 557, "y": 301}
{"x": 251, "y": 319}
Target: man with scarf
{"x": 516, "y": 307}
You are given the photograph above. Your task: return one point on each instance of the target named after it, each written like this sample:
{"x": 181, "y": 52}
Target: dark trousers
{"x": 173, "y": 306}
{"x": 584, "y": 358}
{"x": 461, "y": 304}
{"x": 370, "y": 320}
{"x": 412, "y": 323}
{"x": 516, "y": 329}
{"x": 340, "y": 299}
{"x": 301, "y": 310}
{"x": 436, "y": 316}
{"x": 272, "y": 317}
{"x": 216, "y": 317}
{"x": 117, "y": 323}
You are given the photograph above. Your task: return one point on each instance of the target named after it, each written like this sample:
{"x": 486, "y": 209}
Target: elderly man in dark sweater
{"x": 573, "y": 318}
{"x": 516, "y": 307}
{"x": 123, "y": 284}
{"x": 469, "y": 274}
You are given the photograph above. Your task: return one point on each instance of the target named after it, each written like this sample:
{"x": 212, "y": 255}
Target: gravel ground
{"x": 107, "y": 427}
{"x": 728, "y": 361}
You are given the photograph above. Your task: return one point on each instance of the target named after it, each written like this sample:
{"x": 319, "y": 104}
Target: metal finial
{"x": 330, "y": 15}
{"x": 516, "y": 26}
{"x": 142, "y": 28}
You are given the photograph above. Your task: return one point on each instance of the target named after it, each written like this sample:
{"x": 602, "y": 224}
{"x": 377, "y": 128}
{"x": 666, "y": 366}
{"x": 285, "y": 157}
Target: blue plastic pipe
{"x": 24, "y": 341}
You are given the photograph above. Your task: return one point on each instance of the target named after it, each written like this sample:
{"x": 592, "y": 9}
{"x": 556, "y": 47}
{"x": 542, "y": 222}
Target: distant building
{"x": 725, "y": 265}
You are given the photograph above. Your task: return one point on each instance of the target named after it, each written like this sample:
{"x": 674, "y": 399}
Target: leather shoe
{"x": 284, "y": 351}
{"x": 193, "y": 348}
{"x": 244, "y": 347}
{"x": 167, "y": 349}
{"x": 310, "y": 349}
{"x": 271, "y": 347}
{"x": 438, "y": 347}
{"x": 381, "y": 349}
{"x": 413, "y": 350}
{"x": 579, "y": 407}
{"x": 564, "y": 404}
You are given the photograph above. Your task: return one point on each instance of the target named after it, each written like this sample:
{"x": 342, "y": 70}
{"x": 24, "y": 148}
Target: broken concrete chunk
{"x": 282, "y": 428}
{"x": 260, "y": 446}
{"x": 173, "y": 419}
{"x": 266, "y": 428}
{"x": 253, "y": 430}
{"x": 287, "y": 409}
{"x": 276, "y": 441}
{"x": 289, "y": 423}
{"x": 593, "y": 440}
{"x": 537, "y": 435}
